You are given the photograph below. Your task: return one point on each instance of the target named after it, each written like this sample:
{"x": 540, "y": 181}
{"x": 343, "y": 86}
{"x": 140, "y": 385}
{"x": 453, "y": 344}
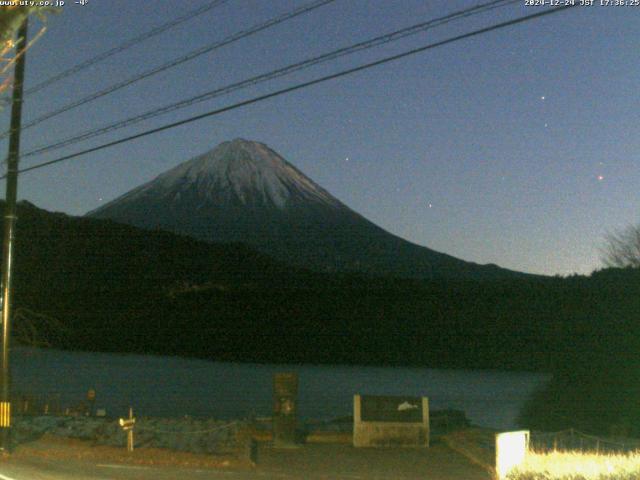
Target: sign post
{"x": 127, "y": 425}
{"x": 285, "y": 408}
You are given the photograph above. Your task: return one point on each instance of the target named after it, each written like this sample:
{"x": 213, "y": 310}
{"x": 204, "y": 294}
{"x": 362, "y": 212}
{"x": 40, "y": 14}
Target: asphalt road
{"x": 39, "y": 469}
{"x": 313, "y": 462}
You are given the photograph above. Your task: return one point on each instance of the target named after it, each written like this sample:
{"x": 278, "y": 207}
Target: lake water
{"x": 169, "y": 386}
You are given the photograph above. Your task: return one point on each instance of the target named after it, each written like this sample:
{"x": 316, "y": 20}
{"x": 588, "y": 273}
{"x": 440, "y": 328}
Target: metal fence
{"x": 575, "y": 440}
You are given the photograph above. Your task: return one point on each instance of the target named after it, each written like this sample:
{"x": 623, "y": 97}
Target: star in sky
{"x": 362, "y": 119}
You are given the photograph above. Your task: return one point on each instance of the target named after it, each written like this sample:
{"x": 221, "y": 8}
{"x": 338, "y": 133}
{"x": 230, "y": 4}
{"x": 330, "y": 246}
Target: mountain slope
{"x": 243, "y": 191}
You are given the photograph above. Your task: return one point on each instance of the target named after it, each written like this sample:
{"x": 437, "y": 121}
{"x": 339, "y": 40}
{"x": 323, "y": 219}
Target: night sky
{"x": 518, "y": 147}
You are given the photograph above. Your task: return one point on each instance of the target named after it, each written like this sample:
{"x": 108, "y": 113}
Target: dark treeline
{"x": 96, "y": 285}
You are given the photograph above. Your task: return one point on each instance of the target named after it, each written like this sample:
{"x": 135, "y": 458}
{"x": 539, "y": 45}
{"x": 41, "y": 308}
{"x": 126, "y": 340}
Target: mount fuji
{"x": 243, "y": 191}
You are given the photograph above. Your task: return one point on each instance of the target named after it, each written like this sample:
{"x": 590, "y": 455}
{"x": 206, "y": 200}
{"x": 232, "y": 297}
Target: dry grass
{"x": 578, "y": 466}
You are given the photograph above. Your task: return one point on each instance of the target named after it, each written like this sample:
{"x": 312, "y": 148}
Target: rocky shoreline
{"x": 197, "y": 435}
{"x": 182, "y": 434}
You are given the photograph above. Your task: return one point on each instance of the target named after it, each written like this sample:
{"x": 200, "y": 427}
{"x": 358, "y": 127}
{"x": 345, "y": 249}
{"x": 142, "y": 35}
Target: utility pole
{"x": 9, "y": 225}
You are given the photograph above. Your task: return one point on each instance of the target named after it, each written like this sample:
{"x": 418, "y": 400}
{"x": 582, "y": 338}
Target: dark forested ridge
{"x": 112, "y": 287}
{"x": 172, "y": 294}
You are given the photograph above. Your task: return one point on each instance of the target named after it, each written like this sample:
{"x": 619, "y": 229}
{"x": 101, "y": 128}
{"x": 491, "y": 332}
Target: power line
{"x": 125, "y": 46}
{"x": 374, "y": 42}
{"x": 178, "y": 61}
{"x": 300, "y": 86}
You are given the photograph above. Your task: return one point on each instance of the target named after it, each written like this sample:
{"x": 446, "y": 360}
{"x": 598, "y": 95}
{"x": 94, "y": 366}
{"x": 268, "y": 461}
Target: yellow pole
{"x": 7, "y": 248}
{"x": 130, "y": 432}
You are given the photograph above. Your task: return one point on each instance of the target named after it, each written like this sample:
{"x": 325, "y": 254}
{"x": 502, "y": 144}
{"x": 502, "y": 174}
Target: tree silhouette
{"x": 622, "y": 248}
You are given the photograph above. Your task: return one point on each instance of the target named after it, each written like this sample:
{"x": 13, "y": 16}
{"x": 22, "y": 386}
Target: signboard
{"x": 390, "y": 421}
{"x": 391, "y": 409}
{"x": 127, "y": 424}
{"x": 511, "y": 450}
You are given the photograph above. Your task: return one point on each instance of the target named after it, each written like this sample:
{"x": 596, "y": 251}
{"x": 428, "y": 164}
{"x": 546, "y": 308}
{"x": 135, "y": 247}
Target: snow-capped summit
{"x": 238, "y": 172}
{"x": 243, "y": 191}
{"x": 244, "y": 172}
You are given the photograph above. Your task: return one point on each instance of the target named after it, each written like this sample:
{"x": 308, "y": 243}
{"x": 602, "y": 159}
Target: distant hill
{"x": 242, "y": 191}
{"x": 96, "y": 275}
